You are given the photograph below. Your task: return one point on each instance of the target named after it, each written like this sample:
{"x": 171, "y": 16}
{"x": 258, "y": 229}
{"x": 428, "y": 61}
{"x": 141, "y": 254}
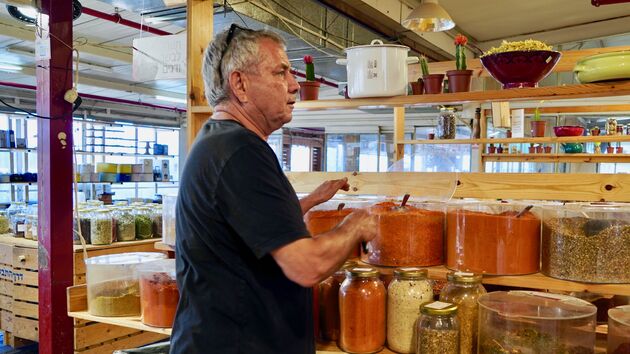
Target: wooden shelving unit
{"x": 553, "y": 158}
{"x": 544, "y": 140}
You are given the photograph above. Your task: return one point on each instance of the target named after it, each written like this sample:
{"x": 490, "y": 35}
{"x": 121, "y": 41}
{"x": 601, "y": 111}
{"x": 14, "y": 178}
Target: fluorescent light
{"x": 10, "y": 67}
{"x": 170, "y": 99}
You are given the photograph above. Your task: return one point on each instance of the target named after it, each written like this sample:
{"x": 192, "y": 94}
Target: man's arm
{"x": 323, "y": 193}
{"x": 308, "y": 261}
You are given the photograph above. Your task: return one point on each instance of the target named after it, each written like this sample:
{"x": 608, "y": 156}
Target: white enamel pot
{"x": 377, "y": 69}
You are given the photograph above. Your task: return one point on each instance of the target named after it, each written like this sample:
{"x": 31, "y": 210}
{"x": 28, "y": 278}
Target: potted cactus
{"x": 459, "y": 80}
{"x": 537, "y": 124}
{"x": 432, "y": 82}
{"x": 309, "y": 89}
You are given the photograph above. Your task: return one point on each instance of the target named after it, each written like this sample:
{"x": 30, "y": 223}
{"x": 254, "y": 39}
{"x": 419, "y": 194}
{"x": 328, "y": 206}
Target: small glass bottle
{"x": 144, "y": 225}
{"x": 438, "y": 329}
{"x": 125, "y": 224}
{"x": 446, "y": 123}
{"x": 329, "y": 303}
{"x": 463, "y": 290}
{"x": 611, "y": 126}
{"x": 101, "y": 227}
{"x": 409, "y": 289}
{"x": 362, "y": 301}
{"x": 28, "y": 231}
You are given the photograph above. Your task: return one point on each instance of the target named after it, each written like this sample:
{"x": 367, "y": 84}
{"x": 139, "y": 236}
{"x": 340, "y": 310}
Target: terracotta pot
{"x": 500, "y": 150}
{"x": 547, "y": 149}
{"x": 610, "y": 149}
{"x": 433, "y": 83}
{"x": 417, "y": 87}
{"x": 538, "y": 128}
{"x": 539, "y": 149}
{"x": 532, "y": 149}
{"x": 619, "y": 149}
{"x": 492, "y": 149}
{"x": 309, "y": 90}
{"x": 459, "y": 80}
{"x": 431, "y": 136}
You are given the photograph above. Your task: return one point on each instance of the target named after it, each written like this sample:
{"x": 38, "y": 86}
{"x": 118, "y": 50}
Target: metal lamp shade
{"x": 428, "y": 17}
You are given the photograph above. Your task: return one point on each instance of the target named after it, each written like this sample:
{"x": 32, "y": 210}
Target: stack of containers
{"x": 142, "y": 172}
{"x": 107, "y": 172}
{"x": 124, "y": 173}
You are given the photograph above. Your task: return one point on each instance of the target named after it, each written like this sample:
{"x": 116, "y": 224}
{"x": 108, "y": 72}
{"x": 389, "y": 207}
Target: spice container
{"x": 144, "y": 225}
{"x": 587, "y": 243}
{"x": 125, "y": 224}
{"x": 326, "y": 217}
{"x": 446, "y": 124}
{"x": 156, "y": 220}
{"x": 362, "y": 311}
{"x": 19, "y": 225}
{"x": 409, "y": 289}
{"x": 492, "y": 238}
{"x": 113, "y": 288}
{"x": 619, "y": 330}
{"x": 101, "y": 227}
{"x": 168, "y": 219}
{"x": 329, "y": 303}
{"x": 438, "y": 329}
{"x": 28, "y": 231}
{"x": 34, "y": 228}
{"x": 85, "y": 221}
{"x": 463, "y": 290}
{"x": 14, "y": 209}
{"x": 158, "y": 293}
{"x": 535, "y": 322}
{"x": 410, "y": 235}
{"x": 4, "y": 222}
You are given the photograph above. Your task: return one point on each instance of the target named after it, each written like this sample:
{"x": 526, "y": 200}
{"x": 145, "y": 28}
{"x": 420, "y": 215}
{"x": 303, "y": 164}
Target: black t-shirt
{"x": 235, "y": 206}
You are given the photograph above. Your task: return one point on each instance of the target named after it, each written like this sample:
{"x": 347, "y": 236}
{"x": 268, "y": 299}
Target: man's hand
{"x": 323, "y": 193}
{"x": 361, "y": 224}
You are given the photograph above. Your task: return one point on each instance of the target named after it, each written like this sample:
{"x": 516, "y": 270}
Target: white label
{"x": 21, "y": 228}
{"x": 438, "y": 305}
{"x": 518, "y": 123}
{"x": 42, "y": 39}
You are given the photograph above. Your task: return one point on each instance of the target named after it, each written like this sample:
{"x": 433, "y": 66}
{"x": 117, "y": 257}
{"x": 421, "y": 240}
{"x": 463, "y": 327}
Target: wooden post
{"x": 483, "y": 129}
{"x": 200, "y": 15}
{"x": 399, "y": 133}
{"x": 54, "y": 168}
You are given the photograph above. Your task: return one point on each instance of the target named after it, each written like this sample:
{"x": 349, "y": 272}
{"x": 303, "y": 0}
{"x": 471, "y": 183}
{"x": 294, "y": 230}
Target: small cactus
{"x": 424, "y": 65}
{"x": 460, "y": 53}
{"x": 310, "y": 68}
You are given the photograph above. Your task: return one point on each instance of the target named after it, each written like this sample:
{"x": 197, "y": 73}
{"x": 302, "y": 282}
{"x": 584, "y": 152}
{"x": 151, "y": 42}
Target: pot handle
{"x": 376, "y": 41}
{"x": 342, "y": 61}
{"x": 413, "y": 60}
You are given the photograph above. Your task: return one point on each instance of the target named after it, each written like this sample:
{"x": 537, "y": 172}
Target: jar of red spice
{"x": 329, "y": 303}
{"x": 158, "y": 293}
{"x": 362, "y": 301}
{"x": 327, "y": 216}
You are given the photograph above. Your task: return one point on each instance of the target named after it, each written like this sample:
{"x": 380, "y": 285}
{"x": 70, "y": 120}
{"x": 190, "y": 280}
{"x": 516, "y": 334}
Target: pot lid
{"x": 377, "y": 43}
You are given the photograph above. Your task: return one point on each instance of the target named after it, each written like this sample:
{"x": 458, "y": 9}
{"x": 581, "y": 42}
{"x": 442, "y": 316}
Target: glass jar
{"x": 329, "y": 303}
{"x": 156, "y": 220}
{"x": 446, "y": 124}
{"x": 19, "y": 225}
{"x": 463, "y": 290}
{"x": 101, "y": 227}
{"x": 121, "y": 203}
{"x": 144, "y": 225}
{"x": 619, "y": 330}
{"x": 362, "y": 311}
{"x": 28, "y": 231}
{"x": 34, "y": 226}
{"x": 438, "y": 329}
{"x": 409, "y": 289}
{"x": 4, "y": 222}
{"x": 611, "y": 126}
{"x": 14, "y": 209}
{"x": 84, "y": 223}
{"x": 125, "y": 224}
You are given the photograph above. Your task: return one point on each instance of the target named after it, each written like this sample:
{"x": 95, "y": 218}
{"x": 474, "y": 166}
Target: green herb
{"x": 101, "y": 231}
{"x": 4, "y": 224}
{"x": 144, "y": 227}
{"x": 438, "y": 341}
{"x": 126, "y": 227}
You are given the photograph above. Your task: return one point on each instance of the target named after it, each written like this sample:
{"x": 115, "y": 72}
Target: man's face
{"x": 271, "y": 91}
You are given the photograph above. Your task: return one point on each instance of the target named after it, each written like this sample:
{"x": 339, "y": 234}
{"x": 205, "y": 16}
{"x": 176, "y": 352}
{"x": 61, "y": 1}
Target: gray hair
{"x": 241, "y": 54}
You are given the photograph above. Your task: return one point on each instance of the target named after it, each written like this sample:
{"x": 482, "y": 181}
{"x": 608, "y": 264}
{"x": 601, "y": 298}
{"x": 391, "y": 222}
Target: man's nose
{"x": 294, "y": 87}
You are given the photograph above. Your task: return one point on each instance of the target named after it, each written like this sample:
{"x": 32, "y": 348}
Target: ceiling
{"x": 321, "y": 28}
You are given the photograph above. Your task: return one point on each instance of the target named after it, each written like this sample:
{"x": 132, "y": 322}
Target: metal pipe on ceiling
{"x": 116, "y": 18}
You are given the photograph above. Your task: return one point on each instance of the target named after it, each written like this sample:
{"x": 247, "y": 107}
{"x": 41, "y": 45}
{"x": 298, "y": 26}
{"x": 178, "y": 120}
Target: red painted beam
{"x": 118, "y": 19}
{"x": 54, "y": 176}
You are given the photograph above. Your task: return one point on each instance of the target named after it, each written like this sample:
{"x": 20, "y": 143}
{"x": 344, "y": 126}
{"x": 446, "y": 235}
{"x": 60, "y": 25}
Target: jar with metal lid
{"x": 101, "y": 227}
{"x": 156, "y": 220}
{"x": 19, "y": 225}
{"x": 463, "y": 290}
{"x": 446, "y": 123}
{"x": 329, "y": 303}
{"x": 611, "y": 126}
{"x": 144, "y": 225}
{"x": 125, "y": 224}
{"x": 409, "y": 289}
{"x": 4, "y": 222}
{"x": 438, "y": 329}
{"x": 362, "y": 300}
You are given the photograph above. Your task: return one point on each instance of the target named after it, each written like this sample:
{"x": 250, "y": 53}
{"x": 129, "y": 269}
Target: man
{"x": 245, "y": 260}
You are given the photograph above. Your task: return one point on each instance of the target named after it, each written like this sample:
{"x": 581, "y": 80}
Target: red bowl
{"x": 568, "y": 130}
{"x": 521, "y": 68}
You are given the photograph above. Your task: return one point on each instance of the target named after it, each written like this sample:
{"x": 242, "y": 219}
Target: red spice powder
{"x": 158, "y": 299}
{"x": 320, "y": 221}
{"x": 362, "y": 312}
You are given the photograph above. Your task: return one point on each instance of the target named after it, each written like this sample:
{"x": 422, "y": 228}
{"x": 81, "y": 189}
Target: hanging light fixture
{"x": 27, "y": 12}
{"x": 428, "y": 17}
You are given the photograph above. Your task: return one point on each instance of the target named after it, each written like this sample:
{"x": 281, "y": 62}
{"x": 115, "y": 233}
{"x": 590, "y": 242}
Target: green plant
{"x": 460, "y": 52}
{"x": 537, "y": 112}
{"x": 310, "y": 68}
{"x": 424, "y": 65}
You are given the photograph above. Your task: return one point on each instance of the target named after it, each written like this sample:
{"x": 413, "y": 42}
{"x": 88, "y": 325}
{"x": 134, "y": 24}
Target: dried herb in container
{"x": 144, "y": 225}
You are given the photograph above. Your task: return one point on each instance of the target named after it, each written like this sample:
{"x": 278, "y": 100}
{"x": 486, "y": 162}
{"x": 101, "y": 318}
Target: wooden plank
{"x": 97, "y": 333}
{"x": 15, "y": 342}
{"x": 25, "y": 309}
{"x": 79, "y": 279}
{"x": 25, "y": 277}
{"x": 79, "y": 248}
{"x": 131, "y": 341}
{"x": 201, "y": 109}
{"x": 77, "y": 298}
{"x": 25, "y": 293}
{"x": 608, "y": 89}
{"x": 25, "y": 258}
{"x": 399, "y": 133}
{"x": 6, "y": 303}
{"x": 554, "y": 158}
{"x": 6, "y": 288}
{"x": 6, "y": 318}
{"x": 79, "y": 263}
{"x": 164, "y": 247}
{"x": 129, "y": 322}
{"x": 6, "y": 252}
{"x": 618, "y": 108}
{"x": 26, "y": 328}
{"x": 543, "y": 140}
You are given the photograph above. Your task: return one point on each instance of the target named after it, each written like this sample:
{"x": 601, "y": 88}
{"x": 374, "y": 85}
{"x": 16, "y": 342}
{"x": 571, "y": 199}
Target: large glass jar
{"x": 14, "y": 209}
{"x": 463, "y": 290}
{"x": 438, "y": 329}
{"x": 85, "y": 216}
{"x": 446, "y": 124}
{"x": 362, "y": 300}
{"x": 125, "y": 224}
{"x": 409, "y": 289}
{"x": 144, "y": 225}
{"x": 101, "y": 227}
{"x": 4, "y": 222}
{"x": 329, "y": 303}
{"x": 156, "y": 220}
{"x": 619, "y": 330}
{"x": 19, "y": 225}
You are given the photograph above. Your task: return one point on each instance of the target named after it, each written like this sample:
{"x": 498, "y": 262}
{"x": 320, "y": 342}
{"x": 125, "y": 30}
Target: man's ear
{"x": 239, "y": 85}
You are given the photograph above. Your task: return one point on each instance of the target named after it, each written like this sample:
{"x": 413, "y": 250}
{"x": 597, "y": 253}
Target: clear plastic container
{"x": 326, "y": 216}
{"x": 438, "y": 329}
{"x": 587, "y": 243}
{"x": 407, "y": 236}
{"x": 362, "y": 301}
{"x": 113, "y": 288}
{"x": 168, "y": 219}
{"x": 125, "y": 224}
{"x": 619, "y": 330}
{"x": 492, "y": 238}
{"x": 409, "y": 289}
{"x": 463, "y": 290}
{"x": 329, "y": 303}
{"x": 101, "y": 227}
{"x": 156, "y": 220}
{"x": 158, "y": 292}
{"x": 144, "y": 225}
{"x": 535, "y": 322}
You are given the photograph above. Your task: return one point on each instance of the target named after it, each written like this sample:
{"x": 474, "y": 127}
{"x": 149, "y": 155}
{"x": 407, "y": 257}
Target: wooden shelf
{"x": 164, "y": 247}
{"x": 332, "y": 347}
{"x": 543, "y": 140}
{"x": 81, "y": 152}
{"x": 608, "y": 89}
{"x": 569, "y": 158}
{"x": 22, "y": 242}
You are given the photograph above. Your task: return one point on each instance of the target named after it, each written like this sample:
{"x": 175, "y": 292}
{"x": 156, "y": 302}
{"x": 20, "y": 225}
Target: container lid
{"x": 130, "y": 258}
{"x": 101, "y": 211}
{"x": 536, "y": 305}
{"x": 411, "y": 273}
{"x": 159, "y": 266}
{"x": 464, "y": 277}
{"x": 438, "y": 308}
{"x": 362, "y": 272}
{"x": 377, "y": 43}
{"x": 348, "y": 264}
{"x": 620, "y": 314}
